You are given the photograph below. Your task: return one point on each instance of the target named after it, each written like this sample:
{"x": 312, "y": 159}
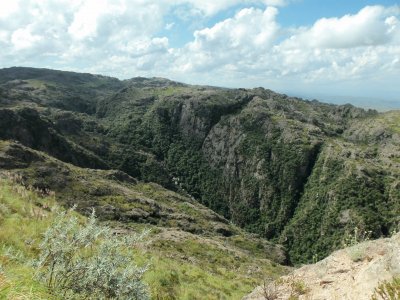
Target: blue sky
{"x": 339, "y": 51}
{"x": 306, "y": 12}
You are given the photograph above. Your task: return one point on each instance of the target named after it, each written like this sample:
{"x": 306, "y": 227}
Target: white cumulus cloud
{"x": 7, "y": 8}
{"x": 252, "y": 48}
{"x": 241, "y": 39}
{"x": 370, "y": 26}
{"x": 129, "y": 38}
{"x": 23, "y": 38}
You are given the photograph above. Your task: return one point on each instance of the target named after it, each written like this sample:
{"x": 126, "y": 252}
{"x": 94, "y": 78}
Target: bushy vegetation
{"x": 49, "y": 254}
{"x": 191, "y": 268}
{"x": 88, "y": 261}
{"x": 388, "y": 290}
{"x": 257, "y": 157}
{"x": 339, "y": 197}
{"x": 24, "y": 216}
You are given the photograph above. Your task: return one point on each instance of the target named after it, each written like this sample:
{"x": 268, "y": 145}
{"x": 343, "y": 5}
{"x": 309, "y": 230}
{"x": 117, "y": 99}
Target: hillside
{"x": 300, "y": 173}
{"x": 191, "y": 250}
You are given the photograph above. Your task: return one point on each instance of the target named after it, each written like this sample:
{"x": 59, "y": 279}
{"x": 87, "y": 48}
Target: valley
{"x": 236, "y": 185}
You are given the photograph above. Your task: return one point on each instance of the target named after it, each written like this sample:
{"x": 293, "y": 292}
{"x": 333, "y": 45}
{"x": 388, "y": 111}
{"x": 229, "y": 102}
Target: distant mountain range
{"x": 379, "y": 104}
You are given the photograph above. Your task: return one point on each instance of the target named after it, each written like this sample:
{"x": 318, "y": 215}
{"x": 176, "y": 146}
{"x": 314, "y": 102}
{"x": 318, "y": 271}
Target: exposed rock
{"x": 279, "y": 166}
{"x": 351, "y": 273}
{"x": 136, "y": 214}
{"x": 120, "y": 176}
{"x": 14, "y": 155}
{"x": 224, "y": 230}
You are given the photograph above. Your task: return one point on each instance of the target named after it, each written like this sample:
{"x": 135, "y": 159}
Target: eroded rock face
{"x": 28, "y": 127}
{"x": 300, "y": 172}
{"x": 265, "y": 165}
{"x": 15, "y": 156}
{"x": 118, "y": 197}
{"x": 351, "y": 273}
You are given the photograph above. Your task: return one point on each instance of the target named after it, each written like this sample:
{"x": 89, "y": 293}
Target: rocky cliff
{"x": 302, "y": 173}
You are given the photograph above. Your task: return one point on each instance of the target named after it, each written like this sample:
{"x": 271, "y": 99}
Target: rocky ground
{"x": 351, "y": 273}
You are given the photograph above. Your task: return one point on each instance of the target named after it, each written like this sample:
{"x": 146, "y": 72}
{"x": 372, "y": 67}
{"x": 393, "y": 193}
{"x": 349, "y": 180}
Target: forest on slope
{"x": 299, "y": 173}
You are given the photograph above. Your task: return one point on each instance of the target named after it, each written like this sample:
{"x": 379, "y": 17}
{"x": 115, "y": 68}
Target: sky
{"x": 338, "y": 51}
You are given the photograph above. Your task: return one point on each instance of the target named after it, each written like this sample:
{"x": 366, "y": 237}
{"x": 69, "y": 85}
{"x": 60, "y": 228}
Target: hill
{"x": 300, "y": 173}
{"x": 191, "y": 250}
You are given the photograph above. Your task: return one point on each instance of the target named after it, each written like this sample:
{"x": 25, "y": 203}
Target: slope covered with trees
{"x": 301, "y": 173}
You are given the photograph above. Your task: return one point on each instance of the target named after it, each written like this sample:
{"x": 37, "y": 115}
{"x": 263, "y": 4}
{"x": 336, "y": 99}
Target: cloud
{"x": 253, "y": 49}
{"x": 275, "y": 2}
{"x": 211, "y": 7}
{"x": 352, "y": 47}
{"x": 23, "y": 38}
{"x": 129, "y": 38}
{"x": 78, "y": 32}
{"x": 7, "y": 8}
{"x": 371, "y": 26}
{"x": 169, "y": 26}
{"x": 239, "y": 39}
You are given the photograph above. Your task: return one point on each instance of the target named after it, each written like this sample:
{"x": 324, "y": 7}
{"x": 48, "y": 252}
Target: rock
{"x": 107, "y": 212}
{"x": 136, "y": 214}
{"x": 14, "y": 155}
{"x": 120, "y": 176}
{"x": 351, "y": 273}
{"x": 223, "y": 230}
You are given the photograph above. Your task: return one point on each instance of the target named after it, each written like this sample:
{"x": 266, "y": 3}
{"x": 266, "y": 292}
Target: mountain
{"x": 299, "y": 173}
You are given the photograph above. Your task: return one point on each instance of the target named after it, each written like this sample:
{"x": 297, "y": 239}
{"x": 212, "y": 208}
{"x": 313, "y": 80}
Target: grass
{"x": 22, "y": 221}
{"x": 192, "y": 267}
{"x": 202, "y": 272}
{"x": 388, "y": 290}
{"x": 392, "y": 119}
{"x": 174, "y": 280}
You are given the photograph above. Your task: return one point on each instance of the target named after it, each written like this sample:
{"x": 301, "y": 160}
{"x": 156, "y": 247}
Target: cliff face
{"x": 299, "y": 172}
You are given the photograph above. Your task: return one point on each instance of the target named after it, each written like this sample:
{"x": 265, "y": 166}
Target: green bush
{"x": 89, "y": 262}
{"x": 388, "y": 290}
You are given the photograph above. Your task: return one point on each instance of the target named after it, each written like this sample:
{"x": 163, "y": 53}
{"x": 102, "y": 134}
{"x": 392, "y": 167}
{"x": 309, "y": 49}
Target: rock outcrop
{"x": 301, "y": 173}
{"x": 352, "y": 273}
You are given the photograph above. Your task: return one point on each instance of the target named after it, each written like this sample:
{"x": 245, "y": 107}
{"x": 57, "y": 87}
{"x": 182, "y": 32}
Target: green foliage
{"x": 89, "y": 261}
{"x": 388, "y": 290}
{"x": 338, "y": 197}
{"x": 218, "y": 267}
{"x": 25, "y": 215}
{"x": 198, "y": 268}
{"x": 194, "y": 176}
{"x": 358, "y": 236}
{"x": 253, "y": 156}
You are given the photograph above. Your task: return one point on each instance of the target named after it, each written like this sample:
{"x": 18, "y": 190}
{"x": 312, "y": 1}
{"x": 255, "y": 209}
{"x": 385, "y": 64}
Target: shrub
{"x": 388, "y": 290}
{"x": 89, "y": 262}
{"x": 358, "y": 236}
{"x": 357, "y": 253}
{"x": 270, "y": 291}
